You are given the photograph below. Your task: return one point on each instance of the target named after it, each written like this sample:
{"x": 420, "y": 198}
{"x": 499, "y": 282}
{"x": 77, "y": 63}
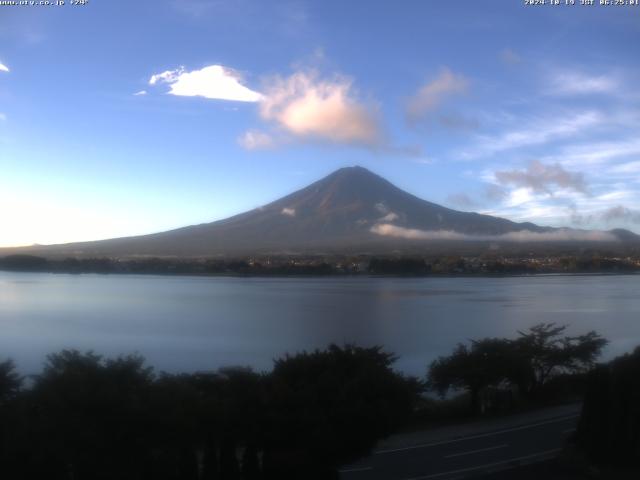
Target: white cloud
{"x": 560, "y": 235}
{"x": 390, "y": 217}
{"x": 577, "y": 83}
{"x": 213, "y": 82}
{"x": 168, "y": 76}
{"x": 3, "y": 68}
{"x": 382, "y": 208}
{"x": 256, "y": 140}
{"x": 140, "y": 93}
{"x": 300, "y": 107}
{"x": 290, "y": 212}
{"x": 433, "y": 93}
{"x": 388, "y": 230}
{"x": 307, "y": 107}
{"x": 519, "y": 196}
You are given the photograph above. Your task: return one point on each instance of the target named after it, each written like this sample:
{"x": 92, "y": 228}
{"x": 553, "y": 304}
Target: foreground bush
{"x": 609, "y": 427}
{"x": 87, "y": 417}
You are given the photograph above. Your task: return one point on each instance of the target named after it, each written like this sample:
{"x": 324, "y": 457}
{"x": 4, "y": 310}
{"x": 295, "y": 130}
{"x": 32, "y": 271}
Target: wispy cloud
{"x": 213, "y": 82}
{"x": 542, "y": 178}
{"x": 140, "y": 93}
{"x": 434, "y": 93}
{"x": 628, "y": 167}
{"x": 597, "y": 153}
{"x": 256, "y": 140}
{"x": 538, "y": 132}
{"x": 578, "y": 83}
{"x": 307, "y": 107}
{"x": 3, "y": 68}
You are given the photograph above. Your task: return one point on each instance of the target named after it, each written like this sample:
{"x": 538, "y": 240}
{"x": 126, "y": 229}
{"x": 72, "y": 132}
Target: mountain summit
{"x": 350, "y": 210}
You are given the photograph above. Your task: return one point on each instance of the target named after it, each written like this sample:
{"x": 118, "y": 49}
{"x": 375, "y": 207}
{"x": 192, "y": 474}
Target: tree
{"x": 527, "y": 362}
{"x": 327, "y": 408}
{"x": 10, "y": 381}
{"x": 547, "y": 353}
{"x": 10, "y": 384}
{"x": 486, "y": 362}
{"x": 90, "y": 416}
{"x": 609, "y": 426}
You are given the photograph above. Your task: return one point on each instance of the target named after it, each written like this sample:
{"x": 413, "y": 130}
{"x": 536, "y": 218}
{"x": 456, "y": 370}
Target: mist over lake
{"x": 202, "y": 323}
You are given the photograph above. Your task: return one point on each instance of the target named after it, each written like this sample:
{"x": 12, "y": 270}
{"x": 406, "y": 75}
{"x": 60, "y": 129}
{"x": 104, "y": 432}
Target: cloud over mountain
{"x": 521, "y": 236}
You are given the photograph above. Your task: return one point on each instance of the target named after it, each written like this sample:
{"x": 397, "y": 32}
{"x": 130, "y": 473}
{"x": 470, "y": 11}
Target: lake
{"x": 202, "y": 323}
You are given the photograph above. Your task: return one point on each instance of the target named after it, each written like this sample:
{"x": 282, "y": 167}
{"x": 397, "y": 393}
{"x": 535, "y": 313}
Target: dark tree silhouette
{"x": 86, "y": 417}
{"x": 609, "y": 426}
{"x": 329, "y": 407}
{"x": 89, "y": 416}
{"x": 486, "y": 362}
{"x": 10, "y": 381}
{"x": 548, "y": 352}
{"x": 10, "y": 385}
{"x": 527, "y": 362}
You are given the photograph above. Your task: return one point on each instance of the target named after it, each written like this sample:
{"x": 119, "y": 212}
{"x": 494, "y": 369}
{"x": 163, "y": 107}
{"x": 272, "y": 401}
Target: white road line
{"x": 476, "y": 451}
{"x": 472, "y": 437}
{"x": 488, "y": 465}
{"x": 359, "y": 469}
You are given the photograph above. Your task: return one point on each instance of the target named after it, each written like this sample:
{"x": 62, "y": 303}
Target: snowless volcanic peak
{"x": 350, "y": 210}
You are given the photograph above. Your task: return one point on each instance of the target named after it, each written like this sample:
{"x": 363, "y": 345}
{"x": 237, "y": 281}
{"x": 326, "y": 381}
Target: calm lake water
{"x": 201, "y": 323}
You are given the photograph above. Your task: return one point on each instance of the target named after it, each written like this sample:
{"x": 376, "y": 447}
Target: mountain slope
{"x": 351, "y": 209}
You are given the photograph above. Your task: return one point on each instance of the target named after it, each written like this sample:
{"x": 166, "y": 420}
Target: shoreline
{"x": 329, "y": 275}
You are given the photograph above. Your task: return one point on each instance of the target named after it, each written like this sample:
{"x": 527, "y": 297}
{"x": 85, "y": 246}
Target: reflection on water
{"x": 195, "y": 323}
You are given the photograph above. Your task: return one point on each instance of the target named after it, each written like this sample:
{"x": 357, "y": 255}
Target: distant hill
{"x": 351, "y": 210}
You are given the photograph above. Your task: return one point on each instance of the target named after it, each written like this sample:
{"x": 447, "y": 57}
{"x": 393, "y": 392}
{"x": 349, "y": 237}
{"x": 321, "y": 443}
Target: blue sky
{"x": 120, "y": 118}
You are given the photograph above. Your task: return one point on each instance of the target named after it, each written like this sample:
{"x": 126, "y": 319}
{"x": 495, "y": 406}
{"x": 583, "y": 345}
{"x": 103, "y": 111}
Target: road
{"x": 480, "y": 449}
